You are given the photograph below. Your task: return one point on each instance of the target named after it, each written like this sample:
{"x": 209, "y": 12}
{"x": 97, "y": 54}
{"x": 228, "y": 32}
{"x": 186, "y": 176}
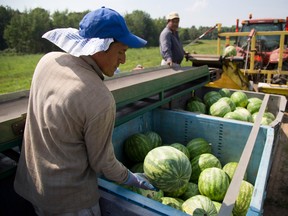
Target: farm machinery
{"x": 260, "y": 61}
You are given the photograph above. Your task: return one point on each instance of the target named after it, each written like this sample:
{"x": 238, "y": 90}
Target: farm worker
{"x": 171, "y": 48}
{"x": 70, "y": 118}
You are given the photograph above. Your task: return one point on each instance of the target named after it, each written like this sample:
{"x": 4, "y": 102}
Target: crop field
{"x": 16, "y": 71}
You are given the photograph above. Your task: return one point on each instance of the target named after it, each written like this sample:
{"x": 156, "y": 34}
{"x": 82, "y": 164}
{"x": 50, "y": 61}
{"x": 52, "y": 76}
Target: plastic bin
{"x": 228, "y": 139}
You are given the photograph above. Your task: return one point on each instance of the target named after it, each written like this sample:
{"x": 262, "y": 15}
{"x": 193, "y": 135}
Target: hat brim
{"x": 132, "y": 41}
{"x": 69, "y": 40}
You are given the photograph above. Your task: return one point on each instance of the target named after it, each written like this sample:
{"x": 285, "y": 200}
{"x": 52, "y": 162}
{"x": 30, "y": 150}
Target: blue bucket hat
{"x": 107, "y": 23}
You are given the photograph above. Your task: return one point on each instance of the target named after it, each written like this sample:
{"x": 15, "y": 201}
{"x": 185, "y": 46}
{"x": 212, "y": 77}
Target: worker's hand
{"x": 139, "y": 180}
{"x": 169, "y": 62}
{"x": 186, "y": 55}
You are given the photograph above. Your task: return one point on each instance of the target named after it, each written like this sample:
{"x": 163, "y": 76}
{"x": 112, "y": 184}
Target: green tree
{"x": 26, "y": 29}
{"x": 141, "y": 24}
{"x": 6, "y": 14}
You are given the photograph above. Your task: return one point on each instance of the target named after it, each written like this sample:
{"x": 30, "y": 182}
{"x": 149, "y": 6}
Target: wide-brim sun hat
{"x": 97, "y": 30}
{"x": 172, "y": 15}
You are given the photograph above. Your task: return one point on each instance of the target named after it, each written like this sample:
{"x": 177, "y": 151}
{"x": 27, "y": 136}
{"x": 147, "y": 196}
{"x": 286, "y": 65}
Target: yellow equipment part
{"x": 231, "y": 78}
{"x": 273, "y": 89}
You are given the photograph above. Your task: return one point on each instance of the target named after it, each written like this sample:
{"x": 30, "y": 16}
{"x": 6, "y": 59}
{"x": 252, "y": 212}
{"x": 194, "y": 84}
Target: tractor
{"x": 260, "y": 60}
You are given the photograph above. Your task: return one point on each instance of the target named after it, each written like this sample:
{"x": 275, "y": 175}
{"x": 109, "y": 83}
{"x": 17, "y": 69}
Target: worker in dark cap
{"x": 70, "y": 119}
{"x": 171, "y": 49}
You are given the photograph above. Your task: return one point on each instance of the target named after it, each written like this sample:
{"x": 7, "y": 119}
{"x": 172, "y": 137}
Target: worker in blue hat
{"x": 67, "y": 141}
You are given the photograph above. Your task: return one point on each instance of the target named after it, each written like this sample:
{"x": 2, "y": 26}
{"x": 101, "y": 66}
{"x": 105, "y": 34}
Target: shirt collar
{"x": 93, "y": 64}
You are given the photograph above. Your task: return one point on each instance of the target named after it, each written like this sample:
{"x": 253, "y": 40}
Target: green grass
{"x": 16, "y": 71}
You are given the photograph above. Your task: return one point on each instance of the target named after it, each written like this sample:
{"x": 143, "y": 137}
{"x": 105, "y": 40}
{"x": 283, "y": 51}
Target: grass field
{"x": 16, "y": 71}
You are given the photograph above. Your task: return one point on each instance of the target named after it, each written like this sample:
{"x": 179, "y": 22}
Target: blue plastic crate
{"x": 228, "y": 139}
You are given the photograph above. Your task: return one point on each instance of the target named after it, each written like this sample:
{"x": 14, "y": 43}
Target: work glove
{"x": 139, "y": 180}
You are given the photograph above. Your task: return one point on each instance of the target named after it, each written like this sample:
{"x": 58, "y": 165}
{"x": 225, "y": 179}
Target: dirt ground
{"x": 276, "y": 202}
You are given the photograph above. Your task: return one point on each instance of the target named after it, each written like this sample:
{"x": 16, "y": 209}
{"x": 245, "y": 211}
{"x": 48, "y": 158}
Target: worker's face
{"x": 108, "y": 61}
{"x": 174, "y": 24}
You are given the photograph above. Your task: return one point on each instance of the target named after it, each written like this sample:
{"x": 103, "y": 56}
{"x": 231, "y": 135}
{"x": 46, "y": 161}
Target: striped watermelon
{"x": 191, "y": 191}
{"x": 219, "y": 108}
{"x": 217, "y": 205}
{"x": 167, "y": 168}
{"x": 137, "y": 168}
{"x": 198, "y": 146}
{"x": 199, "y": 205}
{"x": 211, "y": 97}
{"x": 179, "y": 192}
{"x": 224, "y": 92}
{"x": 155, "y": 138}
{"x": 244, "y": 113}
{"x": 196, "y": 106}
{"x": 155, "y": 195}
{"x": 137, "y": 146}
{"x": 243, "y": 200}
{"x": 229, "y": 101}
{"x": 239, "y": 98}
{"x": 213, "y": 183}
{"x": 173, "y": 202}
{"x": 254, "y": 105}
{"x": 267, "y": 118}
{"x": 235, "y": 116}
{"x": 230, "y": 168}
{"x": 202, "y": 162}
{"x": 182, "y": 148}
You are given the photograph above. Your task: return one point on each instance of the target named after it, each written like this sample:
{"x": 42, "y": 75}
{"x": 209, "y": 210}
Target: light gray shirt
{"x": 68, "y": 135}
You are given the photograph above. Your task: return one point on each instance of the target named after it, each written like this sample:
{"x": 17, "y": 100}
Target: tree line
{"x": 21, "y": 32}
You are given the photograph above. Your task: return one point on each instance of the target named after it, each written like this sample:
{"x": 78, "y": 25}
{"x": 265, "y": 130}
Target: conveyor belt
{"x": 159, "y": 84}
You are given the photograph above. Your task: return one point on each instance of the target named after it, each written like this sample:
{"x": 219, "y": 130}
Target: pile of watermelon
{"x": 230, "y": 105}
{"x": 189, "y": 176}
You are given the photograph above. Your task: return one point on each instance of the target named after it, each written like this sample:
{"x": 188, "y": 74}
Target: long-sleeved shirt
{"x": 68, "y": 135}
{"x": 170, "y": 46}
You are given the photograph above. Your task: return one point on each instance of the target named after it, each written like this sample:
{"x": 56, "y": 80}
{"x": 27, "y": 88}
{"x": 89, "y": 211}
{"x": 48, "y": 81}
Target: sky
{"x": 192, "y": 13}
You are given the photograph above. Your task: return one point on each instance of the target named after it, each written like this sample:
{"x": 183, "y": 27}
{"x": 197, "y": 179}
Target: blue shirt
{"x": 170, "y": 46}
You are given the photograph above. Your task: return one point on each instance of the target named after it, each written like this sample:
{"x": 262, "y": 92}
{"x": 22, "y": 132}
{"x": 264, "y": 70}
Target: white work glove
{"x": 139, "y": 180}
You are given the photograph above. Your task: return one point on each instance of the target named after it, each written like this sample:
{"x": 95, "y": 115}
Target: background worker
{"x": 171, "y": 49}
{"x": 70, "y": 119}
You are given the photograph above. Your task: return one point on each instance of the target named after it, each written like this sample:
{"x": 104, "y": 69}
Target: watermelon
{"x": 230, "y": 168}
{"x": 229, "y": 101}
{"x": 267, "y": 118}
{"x": 239, "y": 98}
{"x": 213, "y": 183}
{"x": 155, "y": 195}
{"x": 155, "y": 138}
{"x": 167, "y": 168}
{"x": 243, "y": 199}
{"x": 211, "y": 97}
{"x": 137, "y": 168}
{"x": 217, "y": 205}
{"x": 230, "y": 51}
{"x": 246, "y": 115}
{"x": 179, "y": 192}
{"x": 199, "y": 205}
{"x": 202, "y": 162}
{"x": 254, "y": 105}
{"x": 196, "y": 106}
{"x": 191, "y": 191}
{"x": 235, "y": 116}
{"x": 137, "y": 146}
{"x": 198, "y": 146}
{"x": 219, "y": 108}
{"x": 173, "y": 202}
{"x": 181, "y": 148}
{"x": 269, "y": 115}
{"x": 224, "y": 92}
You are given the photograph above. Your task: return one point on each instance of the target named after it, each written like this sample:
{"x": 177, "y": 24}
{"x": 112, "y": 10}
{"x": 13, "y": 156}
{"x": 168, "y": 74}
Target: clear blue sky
{"x": 193, "y": 12}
